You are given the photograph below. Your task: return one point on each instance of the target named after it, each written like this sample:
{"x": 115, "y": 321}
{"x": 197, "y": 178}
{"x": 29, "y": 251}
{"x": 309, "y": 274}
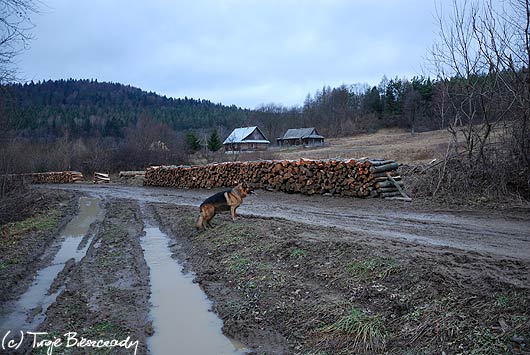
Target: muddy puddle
{"x": 180, "y": 311}
{"x": 30, "y": 309}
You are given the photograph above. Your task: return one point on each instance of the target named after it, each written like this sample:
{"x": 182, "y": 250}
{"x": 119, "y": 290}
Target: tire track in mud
{"x": 27, "y": 312}
{"x": 483, "y": 231}
{"x": 106, "y": 294}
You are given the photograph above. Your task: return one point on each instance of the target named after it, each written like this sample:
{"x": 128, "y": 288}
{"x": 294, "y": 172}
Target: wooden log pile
{"x": 388, "y": 182}
{"x": 56, "y": 177}
{"x": 101, "y": 178}
{"x": 361, "y": 178}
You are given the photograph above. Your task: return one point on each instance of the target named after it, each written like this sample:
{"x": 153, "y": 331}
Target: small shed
{"x": 246, "y": 139}
{"x": 301, "y": 136}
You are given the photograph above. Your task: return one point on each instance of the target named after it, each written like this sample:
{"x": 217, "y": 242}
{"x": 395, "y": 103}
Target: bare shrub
{"x": 459, "y": 180}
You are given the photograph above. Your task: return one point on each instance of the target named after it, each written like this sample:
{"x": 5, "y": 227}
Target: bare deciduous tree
{"x": 15, "y": 25}
{"x": 482, "y": 61}
{"x": 14, "y": 36}
{"x": 483, "y": 57}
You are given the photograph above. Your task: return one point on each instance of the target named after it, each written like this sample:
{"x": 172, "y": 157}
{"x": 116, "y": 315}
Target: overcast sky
{"x": 242, "y": 52}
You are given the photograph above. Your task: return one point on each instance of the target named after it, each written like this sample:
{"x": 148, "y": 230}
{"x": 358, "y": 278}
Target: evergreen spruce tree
{"x": 214, "y": 142}
{"x": 192, "y": 141}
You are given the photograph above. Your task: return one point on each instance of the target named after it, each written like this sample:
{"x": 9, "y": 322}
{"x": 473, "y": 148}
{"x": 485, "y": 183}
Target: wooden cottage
{"x": 246, "y": 139}
{"x": 301, "y": 136}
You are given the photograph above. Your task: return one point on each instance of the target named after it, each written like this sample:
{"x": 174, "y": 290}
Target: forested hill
{"x": 85, "y": 108}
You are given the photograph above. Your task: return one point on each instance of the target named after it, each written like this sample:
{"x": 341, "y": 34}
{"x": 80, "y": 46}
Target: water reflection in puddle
{"x": 180, "y": 310}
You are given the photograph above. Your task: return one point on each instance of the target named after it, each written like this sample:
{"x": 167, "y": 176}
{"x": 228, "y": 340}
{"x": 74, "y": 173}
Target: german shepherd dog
{"x": 228, "y": 200}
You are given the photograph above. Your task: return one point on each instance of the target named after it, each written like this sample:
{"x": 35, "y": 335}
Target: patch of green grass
{"x": 510, "y": 300}
{"x": 388, "y": 267}
{"x": 485, "y": 342}
{"x": 447, "y": 302}
{"x": 103, "y": 330}
{"x": 110, "y": 257}
{"x": 238, "y": 264}
{"x": 252, "y": 284}
{"x": 298, "y": 253}
{"x": 371, "y": 268}
{"x": 502, "y": 300}
{"x": 362, "y": 267}
{"x": 242, "y": 230}
{"x": 270, "y": 277}
{"x": 415, "y": 315}
{"x": 227, "y": 241}
{"x": 113, "y": 231}
{"x": 364, "y": 330}
{"x": 230, "y": 234}
{"x": 41, "y": 223}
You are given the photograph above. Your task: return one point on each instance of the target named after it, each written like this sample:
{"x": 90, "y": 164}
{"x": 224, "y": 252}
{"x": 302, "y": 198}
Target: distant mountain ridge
{"x": 88, "y": 108}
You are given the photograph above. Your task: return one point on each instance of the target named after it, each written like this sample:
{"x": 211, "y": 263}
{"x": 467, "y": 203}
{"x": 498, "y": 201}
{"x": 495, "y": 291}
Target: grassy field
{"x": 393, "y": 144}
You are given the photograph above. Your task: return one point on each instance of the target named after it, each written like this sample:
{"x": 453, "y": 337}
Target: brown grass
{"x": 393, "y": 144}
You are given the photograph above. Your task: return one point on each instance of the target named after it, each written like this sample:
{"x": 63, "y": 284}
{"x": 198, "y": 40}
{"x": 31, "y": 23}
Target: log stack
{"x": 101, "y": 178}
{"x": 56, "y": 177}
{"x": 388, "y": 182}
{"x": 361, "y": 178}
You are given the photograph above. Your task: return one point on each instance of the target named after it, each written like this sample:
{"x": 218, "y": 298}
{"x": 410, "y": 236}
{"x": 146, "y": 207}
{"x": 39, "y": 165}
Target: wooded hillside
{"x": 86, "y": 108}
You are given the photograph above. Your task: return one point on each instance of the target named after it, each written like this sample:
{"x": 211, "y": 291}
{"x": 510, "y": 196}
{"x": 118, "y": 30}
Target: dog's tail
{"x": 200, "y": 221}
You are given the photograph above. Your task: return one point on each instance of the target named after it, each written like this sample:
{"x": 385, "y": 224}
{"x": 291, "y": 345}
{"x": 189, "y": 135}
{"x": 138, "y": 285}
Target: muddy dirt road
{"x": 331, "y": 276}
{"x": 505, "y": 234}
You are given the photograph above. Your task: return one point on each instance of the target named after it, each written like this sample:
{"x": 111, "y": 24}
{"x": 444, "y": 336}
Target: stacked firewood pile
{"x": 362, "y": 178}
{"x": 101, "y": 178}
{"x": 59, "y": 177}
{"x": 388, "y": 182}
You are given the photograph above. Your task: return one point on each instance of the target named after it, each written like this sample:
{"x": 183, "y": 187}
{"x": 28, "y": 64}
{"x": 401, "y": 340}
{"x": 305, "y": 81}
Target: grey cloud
{"x": 242, "y": 52}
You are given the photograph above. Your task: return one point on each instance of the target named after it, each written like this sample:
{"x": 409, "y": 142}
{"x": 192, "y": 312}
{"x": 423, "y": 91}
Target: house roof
{"x": 238, "y": 135}
{"x": 300, "y": 133}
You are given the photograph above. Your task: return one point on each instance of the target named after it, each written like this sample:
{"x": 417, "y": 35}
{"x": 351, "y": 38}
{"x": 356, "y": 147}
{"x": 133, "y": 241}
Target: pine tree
{"x": 192, "y": 141}
{"x": 214, "y": 142}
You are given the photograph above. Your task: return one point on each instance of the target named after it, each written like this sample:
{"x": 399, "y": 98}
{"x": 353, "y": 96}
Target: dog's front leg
{"x": 233, "y": 213}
